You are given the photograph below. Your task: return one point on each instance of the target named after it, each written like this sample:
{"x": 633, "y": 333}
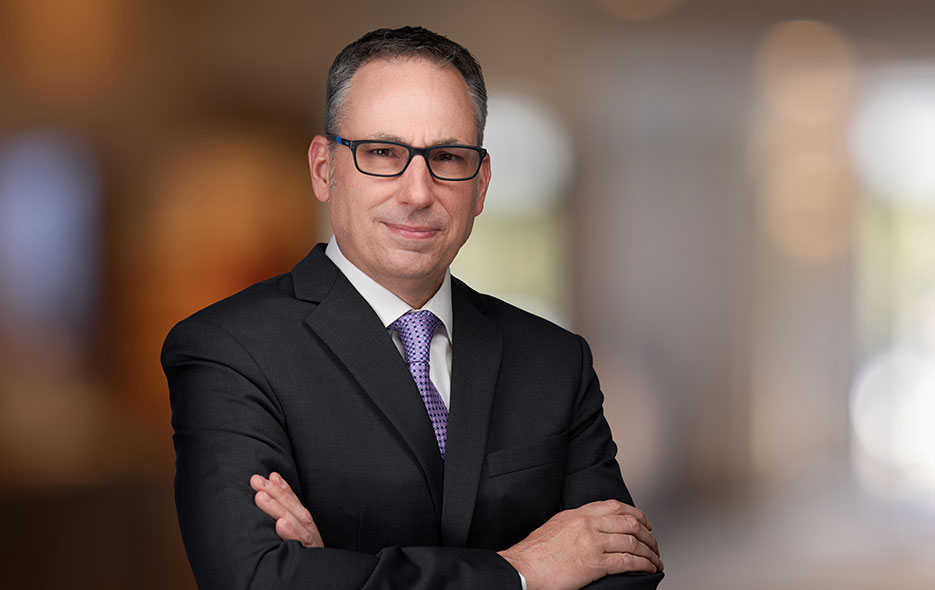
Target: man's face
{"x": 402, "y": 231}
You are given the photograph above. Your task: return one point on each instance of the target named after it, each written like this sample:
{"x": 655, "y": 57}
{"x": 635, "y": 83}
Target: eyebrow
{"x": 397, "y": 139}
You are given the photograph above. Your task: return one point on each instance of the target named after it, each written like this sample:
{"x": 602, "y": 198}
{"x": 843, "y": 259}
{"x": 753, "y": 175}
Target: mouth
{"x": 411, "y": 232}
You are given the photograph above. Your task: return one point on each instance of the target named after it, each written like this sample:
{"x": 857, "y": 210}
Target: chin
{"x": 414, "y": 265}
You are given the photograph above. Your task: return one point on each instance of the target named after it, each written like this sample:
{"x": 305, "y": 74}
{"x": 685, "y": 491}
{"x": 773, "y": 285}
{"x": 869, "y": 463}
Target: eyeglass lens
{"x": 449, "y": 162}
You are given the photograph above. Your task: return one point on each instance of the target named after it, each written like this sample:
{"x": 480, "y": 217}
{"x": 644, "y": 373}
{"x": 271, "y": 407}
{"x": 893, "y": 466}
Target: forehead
{"x": 410, "y": 99}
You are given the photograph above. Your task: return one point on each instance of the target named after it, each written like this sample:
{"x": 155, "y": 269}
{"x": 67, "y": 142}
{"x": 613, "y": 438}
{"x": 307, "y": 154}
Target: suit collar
{"x": 475, "y": 366}
{"x": 314, "y": 275}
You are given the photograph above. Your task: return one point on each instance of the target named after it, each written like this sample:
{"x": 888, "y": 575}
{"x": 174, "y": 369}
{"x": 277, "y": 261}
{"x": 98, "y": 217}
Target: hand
{"x": 576, "y": 547}
{"x": 277, "y": 500}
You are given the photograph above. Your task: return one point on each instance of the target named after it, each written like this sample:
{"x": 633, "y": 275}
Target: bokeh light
{"x": 49, "y": 207}
{"x": 893, "y": 136}
{"x": 518, "y": 249}
{"x": 808, "y": 70}
{"x": 893, "y": 414}
{"x": 531, "y": 155}
{"x": 225, "y": 208}
{"x": 808, "y": 207}
{"x": 807, "y": 75}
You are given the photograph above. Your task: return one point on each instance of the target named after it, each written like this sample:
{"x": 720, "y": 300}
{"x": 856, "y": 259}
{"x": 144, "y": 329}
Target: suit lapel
{"x": 477, "y": 345}
{"x": 352, "y": 330}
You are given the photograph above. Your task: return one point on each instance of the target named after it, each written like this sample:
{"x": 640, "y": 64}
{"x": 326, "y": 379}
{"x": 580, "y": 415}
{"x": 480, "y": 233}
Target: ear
{"x": 319, "y": 166}
{"x": 483, "y": 181}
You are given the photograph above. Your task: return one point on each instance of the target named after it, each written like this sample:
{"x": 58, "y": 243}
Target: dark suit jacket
{"x": 298, "y": 375}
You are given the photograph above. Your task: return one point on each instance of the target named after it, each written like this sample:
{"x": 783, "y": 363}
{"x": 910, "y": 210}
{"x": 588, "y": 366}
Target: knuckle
{"x": 588, "y": 544}
{"x": 618, "y": 562}
{"x": 603, "y": 522}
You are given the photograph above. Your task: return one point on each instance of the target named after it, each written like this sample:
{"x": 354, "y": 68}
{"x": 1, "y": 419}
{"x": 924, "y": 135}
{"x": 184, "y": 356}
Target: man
{"x": 434, "y": 437}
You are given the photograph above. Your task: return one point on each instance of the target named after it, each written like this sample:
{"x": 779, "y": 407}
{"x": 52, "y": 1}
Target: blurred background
{"x": 734, "y": 201}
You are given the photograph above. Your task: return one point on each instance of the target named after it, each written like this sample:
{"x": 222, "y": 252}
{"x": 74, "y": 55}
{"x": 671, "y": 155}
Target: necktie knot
{"x": 415, "y": 330}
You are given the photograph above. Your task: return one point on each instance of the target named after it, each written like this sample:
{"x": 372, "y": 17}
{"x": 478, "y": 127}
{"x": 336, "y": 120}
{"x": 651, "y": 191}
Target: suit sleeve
{"x": 592, "y": 470}
{"x": 229, "y": 424}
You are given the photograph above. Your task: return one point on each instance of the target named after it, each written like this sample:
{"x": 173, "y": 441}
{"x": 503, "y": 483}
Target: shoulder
{"x": 255, "y": 312}
{"x": 269, "y": 305}
{"x": 535, "y": 354}
{"x": 251, "y": 305}
{"x": 519, "y": 327}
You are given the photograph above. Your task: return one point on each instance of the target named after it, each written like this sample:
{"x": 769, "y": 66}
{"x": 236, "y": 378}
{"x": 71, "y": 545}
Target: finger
{"x": 280, "y": 490}
{"x": 289, "y": 529}
{"x": 258, "y": 482}
{"x": 269, "y": 505}
{"x": 608, "y": 507}
{"x": 629, "y": 525}
{"x": 618, "y": 563}
{"x": 632, "y": 545}
{"x": 624, "y": 509}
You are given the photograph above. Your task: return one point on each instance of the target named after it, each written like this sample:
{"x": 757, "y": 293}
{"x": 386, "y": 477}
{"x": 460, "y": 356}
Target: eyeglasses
{"x": 389, "y": 158}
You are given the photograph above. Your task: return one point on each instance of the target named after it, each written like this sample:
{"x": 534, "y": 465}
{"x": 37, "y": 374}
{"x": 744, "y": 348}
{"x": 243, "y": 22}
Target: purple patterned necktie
{"x": 415, "y": 329}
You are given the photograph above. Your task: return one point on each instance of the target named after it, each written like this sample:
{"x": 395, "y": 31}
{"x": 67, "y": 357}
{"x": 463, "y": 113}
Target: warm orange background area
{"x": 700, "y": 218}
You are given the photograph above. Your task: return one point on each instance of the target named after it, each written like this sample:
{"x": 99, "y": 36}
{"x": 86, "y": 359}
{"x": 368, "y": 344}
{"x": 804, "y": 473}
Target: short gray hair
{"x": 405, "y": 42}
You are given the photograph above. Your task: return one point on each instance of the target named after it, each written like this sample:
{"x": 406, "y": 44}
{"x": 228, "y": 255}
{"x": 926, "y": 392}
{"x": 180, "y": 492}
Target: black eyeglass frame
{"x": 413, "y": 151}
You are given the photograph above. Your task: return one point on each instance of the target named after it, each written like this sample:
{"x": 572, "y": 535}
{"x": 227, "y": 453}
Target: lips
{"x": 412, "y": 232}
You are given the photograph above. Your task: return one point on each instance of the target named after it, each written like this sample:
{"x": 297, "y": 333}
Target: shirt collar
{"x": 387, "y": 305}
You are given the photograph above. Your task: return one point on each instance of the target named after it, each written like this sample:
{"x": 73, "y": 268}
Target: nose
{"x": 418, "y": 186}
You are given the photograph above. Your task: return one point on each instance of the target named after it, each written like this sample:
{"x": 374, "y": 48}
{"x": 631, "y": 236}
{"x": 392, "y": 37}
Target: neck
{"x": 414, "y": 295}
{"x": 415, "y": 290}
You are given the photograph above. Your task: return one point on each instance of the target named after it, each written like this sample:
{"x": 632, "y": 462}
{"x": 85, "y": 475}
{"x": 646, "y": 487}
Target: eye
{"x": 446, "y": 156}
{"x": 381, "y": 152}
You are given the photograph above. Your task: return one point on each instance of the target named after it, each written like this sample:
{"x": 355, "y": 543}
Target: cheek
{"x": 347, "y": 208}
{"x": 469, "y": 210}
{"x": 341, "y": 213}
